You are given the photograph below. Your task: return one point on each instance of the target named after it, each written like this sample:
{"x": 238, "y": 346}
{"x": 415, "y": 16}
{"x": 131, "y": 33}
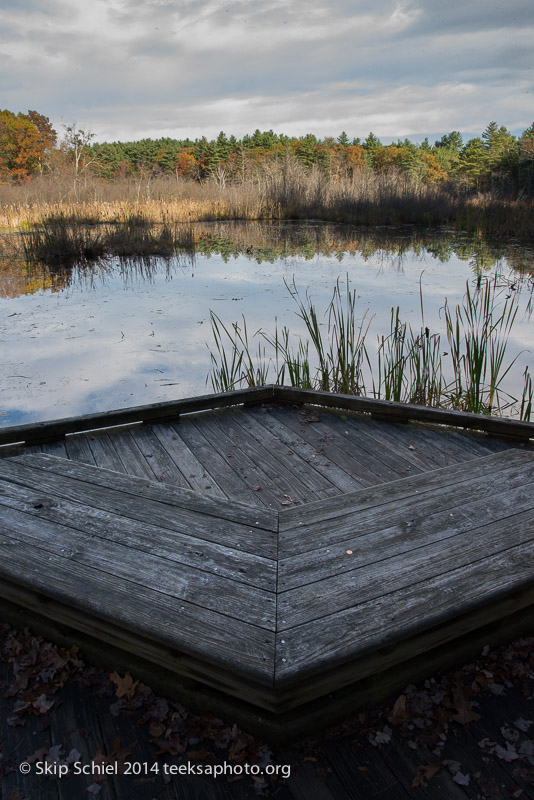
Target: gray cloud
{"x": 130, "y": 68}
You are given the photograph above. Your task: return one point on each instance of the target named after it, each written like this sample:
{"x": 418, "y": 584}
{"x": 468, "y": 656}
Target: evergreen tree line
{"x": 497, "y": 160}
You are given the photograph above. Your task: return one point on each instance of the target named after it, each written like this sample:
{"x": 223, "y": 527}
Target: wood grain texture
{"x": 392, "y": 617}
{"x": 169, "y": 410}
{"x": 187, "y": 550}
{"x": 222, "y": 509}
{"x": 219, "y": 544}
{"x": 413, "y": 487}
{"x": 406, "y": 411}
{"x": 401, "y": 555}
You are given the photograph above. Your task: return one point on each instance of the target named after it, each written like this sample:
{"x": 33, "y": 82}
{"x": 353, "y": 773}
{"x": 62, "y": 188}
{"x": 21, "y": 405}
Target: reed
{"x": 477, "y": 333}
{"x": 239, "y": 366}
{"x": 61, "y": 243}
{"x": 58, "y": 245}
{"x": 278, "y": 190}
{"x": 409, "y": 365}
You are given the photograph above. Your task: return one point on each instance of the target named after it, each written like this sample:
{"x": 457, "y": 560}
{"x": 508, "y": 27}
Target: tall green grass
{"x": 409, "y": 364}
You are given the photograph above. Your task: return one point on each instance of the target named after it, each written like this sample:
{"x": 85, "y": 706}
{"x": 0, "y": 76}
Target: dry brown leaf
{"x": 289, "y": 500}
{"x": 37, "y": 756}
{"x": 157, "y": 729}
{"x": 424, "y": 774}
{"x": 197, "y": 755}
{"x": 462, "y": 705}
{"x": 125, "y": 686}
{"x": 398, "y": 714}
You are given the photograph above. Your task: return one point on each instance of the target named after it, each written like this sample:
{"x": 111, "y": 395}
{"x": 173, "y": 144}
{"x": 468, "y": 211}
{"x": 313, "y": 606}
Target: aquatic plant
{"x": 409, "y": 365}
{"x": 59, "y": 242}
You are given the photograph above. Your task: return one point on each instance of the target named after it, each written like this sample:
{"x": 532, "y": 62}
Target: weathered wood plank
{"x": 157, "y": 457}
{"x": 353, "y": 432}
{"x": 326, "y": 446}
{"x": 52, "y": 448}
{"x": 315, "y": 546}
{"x": 441, "y": 444}
{"x": 417, "y": 484}
{"x": 380, "y": 623}
{"x": 114, "y": 646}
{"x": 367, "y": 457}
{"x": 131, "y": 456}
{"x": 143, "y": 570}
{"x": 289, "y": 459}
{"x": 103, "y": 452}
{"x": 337, "y": 479}
{"x": 406, "y": 411}
{"x": 249, "y": 468}
{"x": 78, "y": 449}
{"x": 475, "y": 442}
{"x": 219, "y": 469}
{"x": 405, "y": 440}
{"x": 256, "y": 448}
{"x": 169, "y": 512}
{"x": 213, "y": 637}
{"x": 442, "y": 542}
{"x": 228, "y": 562}
{"x": 168, "y": 410}
{"x": 278, "y": 420}
{"x": 194, "y": 473}
{"x": 140, "y": 487}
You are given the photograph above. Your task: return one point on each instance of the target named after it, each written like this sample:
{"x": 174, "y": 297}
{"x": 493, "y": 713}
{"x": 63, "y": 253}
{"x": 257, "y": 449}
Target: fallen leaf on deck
{"x": 197, "y": 755}
{"x": 125, "y": 686}
{"x": 398, "y": 714}
{"x": 461, "y": 779}
{"x": 424, "y": 774}
{"x": 462, "y": 705}
{"x": 37, "y": 756}
{"x": 42, "y": 705}
{"x": 289, "y": 500}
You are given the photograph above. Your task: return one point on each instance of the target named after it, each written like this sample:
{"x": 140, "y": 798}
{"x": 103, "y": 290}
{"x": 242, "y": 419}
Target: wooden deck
{"x": 297, "y": 559}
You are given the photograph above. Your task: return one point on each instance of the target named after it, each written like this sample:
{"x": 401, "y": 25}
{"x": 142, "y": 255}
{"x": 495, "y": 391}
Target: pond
{"x": 134, "y": 331}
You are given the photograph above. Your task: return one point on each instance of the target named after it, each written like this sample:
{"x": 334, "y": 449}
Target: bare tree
{"x": 76, "y": 143}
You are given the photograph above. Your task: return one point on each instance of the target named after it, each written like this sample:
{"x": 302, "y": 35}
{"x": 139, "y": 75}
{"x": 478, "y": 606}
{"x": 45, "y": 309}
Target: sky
{"x": 129, "y": 69}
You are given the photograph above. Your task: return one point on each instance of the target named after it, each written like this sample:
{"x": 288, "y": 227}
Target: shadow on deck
{"x": 283, "y": 563}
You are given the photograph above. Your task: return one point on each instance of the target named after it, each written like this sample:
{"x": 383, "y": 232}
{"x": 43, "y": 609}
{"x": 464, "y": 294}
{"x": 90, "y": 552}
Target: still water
{"x": 127, "y": 333}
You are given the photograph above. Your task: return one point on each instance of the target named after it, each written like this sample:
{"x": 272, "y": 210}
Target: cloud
{"x": 133, "y": 68}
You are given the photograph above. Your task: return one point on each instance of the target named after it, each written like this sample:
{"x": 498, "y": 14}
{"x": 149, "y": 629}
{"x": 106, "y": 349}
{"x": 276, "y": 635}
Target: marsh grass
{"x": 58, "y": 244}
{"x": 283, "y": 191}
{"x": 61, "y": 243}
{"x": 240, "y": 366}
{"x": 527, "y": 397}
{"x": 409, "y": 364}
{"x": 477, "y": 331}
